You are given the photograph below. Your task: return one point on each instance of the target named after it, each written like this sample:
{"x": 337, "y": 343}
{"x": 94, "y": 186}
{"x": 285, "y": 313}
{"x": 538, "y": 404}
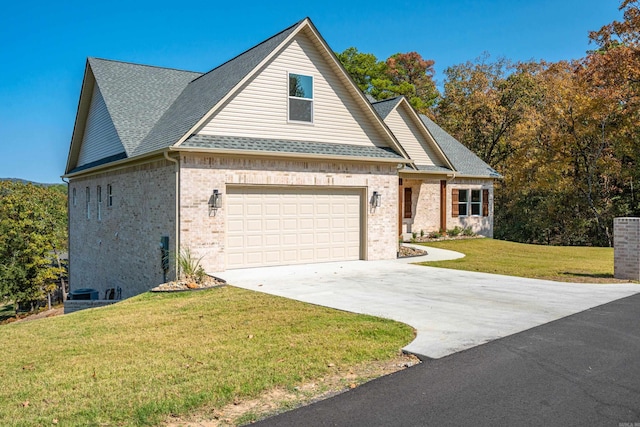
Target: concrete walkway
{"x": 450, "y": 310}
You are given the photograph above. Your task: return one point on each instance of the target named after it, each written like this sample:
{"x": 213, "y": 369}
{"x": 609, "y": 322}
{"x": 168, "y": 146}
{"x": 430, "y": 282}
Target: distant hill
{"x": 24, "y": 181}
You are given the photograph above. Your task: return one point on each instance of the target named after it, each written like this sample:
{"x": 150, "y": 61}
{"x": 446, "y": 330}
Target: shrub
{"x": 467, "y": 231}
{"x": 435, "y": 235}
{"x": 455, "y": 231}
{"x": 189, "y": 266}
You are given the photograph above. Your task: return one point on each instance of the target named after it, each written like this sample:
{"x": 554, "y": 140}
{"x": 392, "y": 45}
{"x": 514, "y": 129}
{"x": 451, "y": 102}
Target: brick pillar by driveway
{"x": 626, "y": 238}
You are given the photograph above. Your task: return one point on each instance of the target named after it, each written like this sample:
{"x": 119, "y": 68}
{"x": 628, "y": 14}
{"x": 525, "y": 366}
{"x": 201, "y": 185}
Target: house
{"x": 448, "y": 185}
{"x": 272, "y": 158}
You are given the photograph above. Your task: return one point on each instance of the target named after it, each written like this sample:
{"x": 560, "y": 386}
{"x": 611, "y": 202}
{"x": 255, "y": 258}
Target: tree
{"x": 364, "y": 68}
{"x": 32, "y": 229}
{"x": 405, "y": 74}
{"x": 485, "y": 102}
{"x": 412, "y": 76}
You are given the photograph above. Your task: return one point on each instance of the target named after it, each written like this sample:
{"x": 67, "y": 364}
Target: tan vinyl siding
{"x": 100, "y": 137}
{"x": 411, "y": 138}
{"x": 261, "y": 108}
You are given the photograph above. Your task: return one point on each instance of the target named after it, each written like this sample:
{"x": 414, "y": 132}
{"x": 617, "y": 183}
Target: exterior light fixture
{"x": 376, "y": 199}
{"x": 215, "y": 202}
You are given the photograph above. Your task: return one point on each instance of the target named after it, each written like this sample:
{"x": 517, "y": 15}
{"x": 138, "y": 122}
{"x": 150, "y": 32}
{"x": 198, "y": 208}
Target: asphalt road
{"x": 582, "y": 370}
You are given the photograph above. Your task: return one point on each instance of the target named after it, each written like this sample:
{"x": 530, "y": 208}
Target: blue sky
{"x": 43, "y": 47}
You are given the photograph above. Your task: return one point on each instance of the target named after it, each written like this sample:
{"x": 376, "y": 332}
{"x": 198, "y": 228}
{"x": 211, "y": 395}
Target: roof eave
{"x": 475, "y": 176}
{"x": 118, "y": 164}
{"x": 279, "y": 154}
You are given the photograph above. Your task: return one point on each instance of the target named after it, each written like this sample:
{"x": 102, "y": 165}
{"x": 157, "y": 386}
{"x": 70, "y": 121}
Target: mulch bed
{"x": 186, "y": 285}
{"x": 406, "y": 252}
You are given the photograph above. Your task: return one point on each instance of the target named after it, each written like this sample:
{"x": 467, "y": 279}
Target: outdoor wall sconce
{"x": 215, "y": 202}
{"x": 376, "y": 199}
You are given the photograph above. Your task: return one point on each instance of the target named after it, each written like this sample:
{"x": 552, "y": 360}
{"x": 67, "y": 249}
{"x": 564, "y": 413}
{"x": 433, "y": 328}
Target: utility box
{"x": 626, "y": 243}
{"x": 83, "y": 294}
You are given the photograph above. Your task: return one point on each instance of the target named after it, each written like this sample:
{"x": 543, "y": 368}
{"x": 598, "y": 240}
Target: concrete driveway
{"x": 450, "y": 310}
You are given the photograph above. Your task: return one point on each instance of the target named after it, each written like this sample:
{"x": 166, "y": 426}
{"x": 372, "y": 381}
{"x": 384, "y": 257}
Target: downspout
{"x": 177, "y": 204}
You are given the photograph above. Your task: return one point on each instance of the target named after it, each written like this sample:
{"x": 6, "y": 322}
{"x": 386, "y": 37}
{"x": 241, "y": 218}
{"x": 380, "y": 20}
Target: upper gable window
{"x": 300, "y": 98}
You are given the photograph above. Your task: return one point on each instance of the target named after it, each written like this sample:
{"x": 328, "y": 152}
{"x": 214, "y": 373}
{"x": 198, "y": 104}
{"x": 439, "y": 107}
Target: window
{"x": 463, "y": 199}
{"x": 109, "y": 195}
{"x": 300, "y": 98}
{"x": 407, "y": 203}
{"x": 99, "y": 202}
{"x": 475, "y": 202}
{"x": 469, "y": 202}
{"x": 73, "y": 197}
{"x": 88, "y": 202}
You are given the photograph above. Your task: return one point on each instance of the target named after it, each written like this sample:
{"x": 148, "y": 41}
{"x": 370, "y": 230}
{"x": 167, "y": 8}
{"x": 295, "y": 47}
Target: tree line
{"x": 565, "y": 135}
{"x": 33, "y": 242}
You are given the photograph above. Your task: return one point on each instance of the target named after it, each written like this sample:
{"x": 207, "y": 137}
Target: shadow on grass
{"x": 591, "y": 275}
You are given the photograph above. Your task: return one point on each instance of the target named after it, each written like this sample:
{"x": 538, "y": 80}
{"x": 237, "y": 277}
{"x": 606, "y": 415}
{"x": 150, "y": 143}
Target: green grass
{"x": 155, "y": 355}
{"x": 561, "y": 263}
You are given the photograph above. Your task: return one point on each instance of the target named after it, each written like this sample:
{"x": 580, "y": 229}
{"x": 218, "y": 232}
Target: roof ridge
{"x": 388, "y": 99}
{"x": 143, "y": 65}
{"x": 251, "y": 48}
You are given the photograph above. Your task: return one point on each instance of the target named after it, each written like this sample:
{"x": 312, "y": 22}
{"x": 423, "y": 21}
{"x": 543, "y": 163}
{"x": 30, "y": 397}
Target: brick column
{"x": 626, "y": 238}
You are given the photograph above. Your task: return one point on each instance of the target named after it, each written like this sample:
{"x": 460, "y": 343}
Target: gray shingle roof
{"x": 433, "y": 168}
{"x": 137, "y": 95}
{"x": 204, "y": 92}
{"x": 463, "y": 160}
{"x": 383, "y": 108}
{"x": 286, "y": 146}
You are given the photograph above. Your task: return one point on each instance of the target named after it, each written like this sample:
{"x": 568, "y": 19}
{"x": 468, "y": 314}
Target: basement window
{"x": 300, "y": 98}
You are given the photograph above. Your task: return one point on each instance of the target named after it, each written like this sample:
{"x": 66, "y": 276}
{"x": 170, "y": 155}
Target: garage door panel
{"x": 276, "y": 226}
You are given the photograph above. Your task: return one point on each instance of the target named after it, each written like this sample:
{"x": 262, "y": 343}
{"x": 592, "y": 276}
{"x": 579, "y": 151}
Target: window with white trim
{"x": 469, "y": 202}
{"x": 300, "y": 98}
{"x": 99, "y": 202}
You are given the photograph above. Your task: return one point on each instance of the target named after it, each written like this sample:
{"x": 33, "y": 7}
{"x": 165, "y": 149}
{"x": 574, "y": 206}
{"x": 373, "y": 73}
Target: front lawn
{"x": 165, "y": 356}
{"x": 561, "y": 263}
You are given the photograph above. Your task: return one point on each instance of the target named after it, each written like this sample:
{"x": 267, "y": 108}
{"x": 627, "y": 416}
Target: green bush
{"x": 467, "y": 231}
{"x": 455, "y": 231}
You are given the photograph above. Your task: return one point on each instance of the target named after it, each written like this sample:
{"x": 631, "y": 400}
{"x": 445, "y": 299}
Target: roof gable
{"x": 260, "y": 108}
{"x": 154, "y": 109}
{"x": 134, "y": 96}
{"x": 411, "y": 132}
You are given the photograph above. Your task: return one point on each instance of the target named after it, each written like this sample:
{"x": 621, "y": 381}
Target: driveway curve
{"x": 451, "y": 310}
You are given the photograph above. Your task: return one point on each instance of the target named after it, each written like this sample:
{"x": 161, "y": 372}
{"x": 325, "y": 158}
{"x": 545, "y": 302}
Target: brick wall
{"x": 123, "y": 248}
{"x": 626, "y": 238}
{"x": 425, "y": 195}
{"x": 425, "y": 203}
{"x": 201, "y": 174}
{"x": 482, "y": 225}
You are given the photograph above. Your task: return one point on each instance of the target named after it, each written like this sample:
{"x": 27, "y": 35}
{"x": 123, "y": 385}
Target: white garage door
{"x": 274, "y": 226}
